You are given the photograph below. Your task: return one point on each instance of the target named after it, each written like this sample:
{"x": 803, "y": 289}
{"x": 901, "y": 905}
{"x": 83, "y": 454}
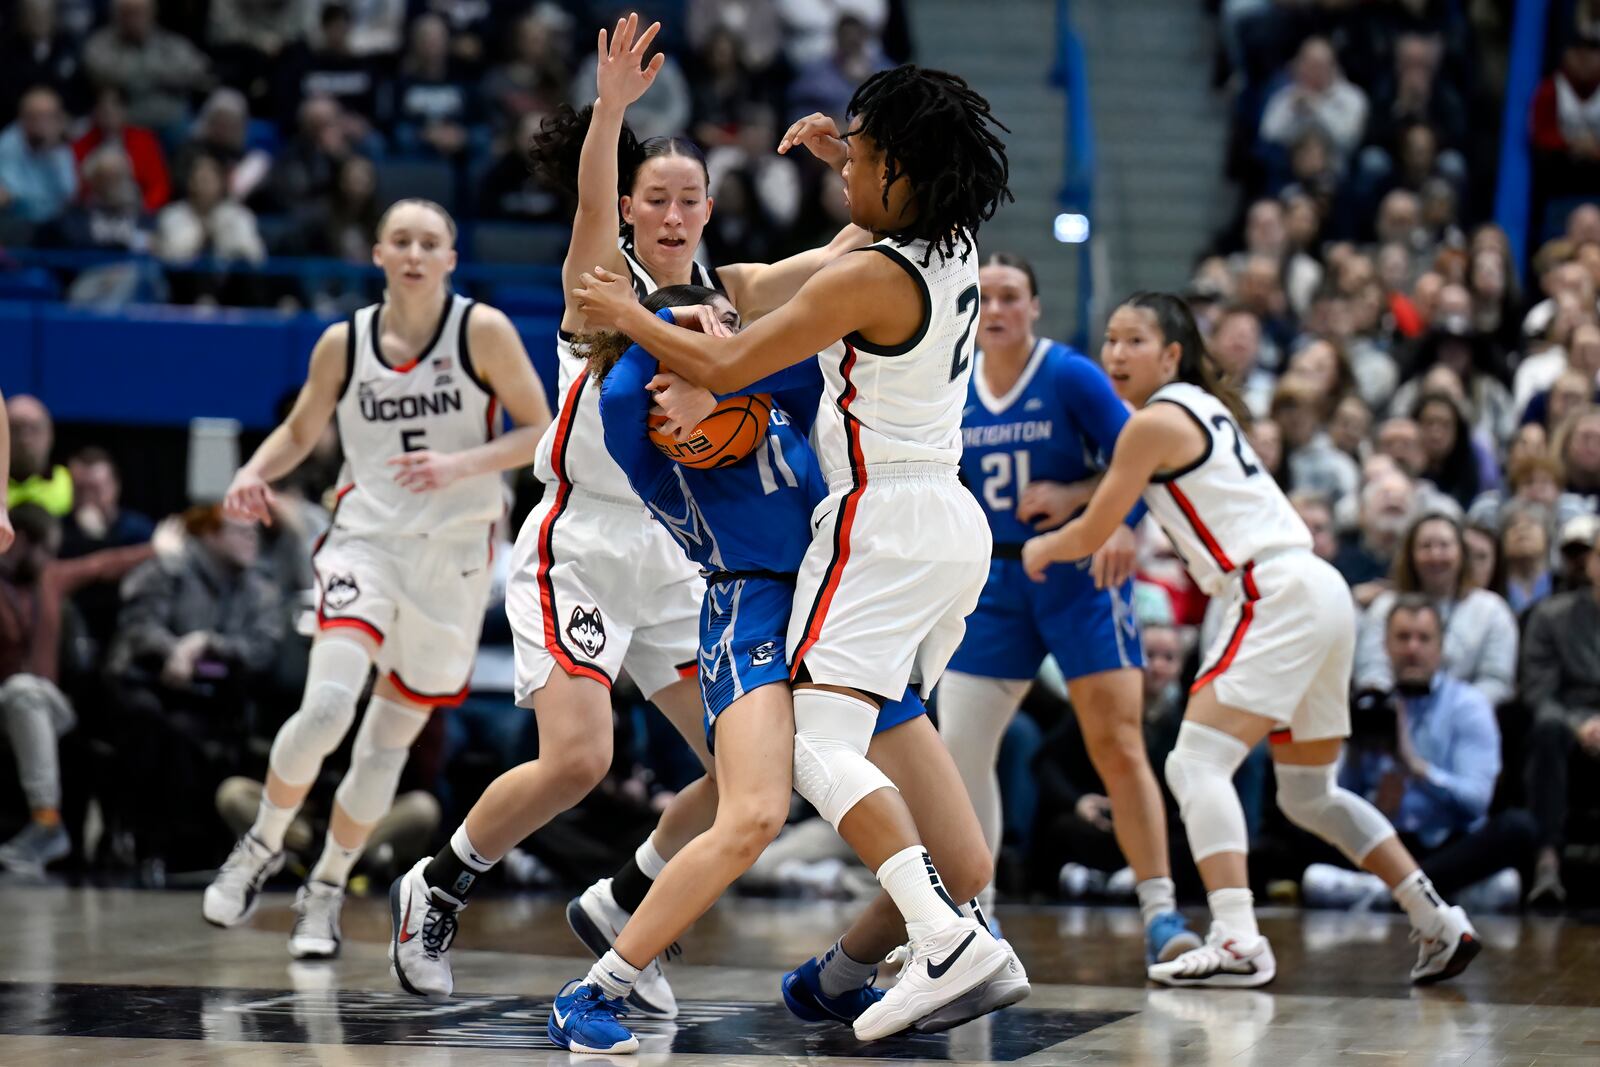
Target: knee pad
{"x": 382, "y": 745}
{"x": 1200, "y": 773}
{"x": 831, "y": 735}
{"x": 334, "y": 679}
{"x": 1312, "y": 800}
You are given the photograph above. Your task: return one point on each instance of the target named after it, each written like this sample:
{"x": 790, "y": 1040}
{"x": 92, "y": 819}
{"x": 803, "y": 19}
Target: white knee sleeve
{"x": 334, "y": 679}
{"x": 1312, "y": 799}
{"x": 831, "y": 735}
{"x": 1200, "y": 773}
{"x": 381, "y": 748}
{"x": 973, "y": 715}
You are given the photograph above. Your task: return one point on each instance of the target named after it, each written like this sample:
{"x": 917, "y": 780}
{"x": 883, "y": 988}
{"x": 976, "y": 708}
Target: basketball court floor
{"x": 100, "y": 976}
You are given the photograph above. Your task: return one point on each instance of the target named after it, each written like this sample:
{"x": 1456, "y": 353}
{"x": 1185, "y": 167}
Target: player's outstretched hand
{"x": 681, "y": 403}
{"x": 1113, "y": 562}
{"x": 621, "y": 76}
{"x": 1048, "y": 504}
{"x": 604, "y": 298}
{"x": 249, "y": 498}
{"x": 820, "y": 134}
{"x": 425, "y": 471}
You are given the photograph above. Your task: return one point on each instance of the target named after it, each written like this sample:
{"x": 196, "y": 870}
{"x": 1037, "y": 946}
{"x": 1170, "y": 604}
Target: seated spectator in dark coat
{"x": 1565, "y": 126}
{"x": 110, "y": 216}
{"x": 248, "y": 37}
{"x": 509, "y": 191}
{"x": 331, "y": 68}
{"x": 37, "y": 50}
{"x": 109, "y": 125}
{"x": 308, "y": 166}
{"x": 533, "y": 79}
{"x": 435, "y": 105}
{"x": 34, "y": 712}
{"x": 99, "y": 521}
{"x": 160, "y": 72}
{"x": 1560, "y": 683}
{"x": 222, "y": 131}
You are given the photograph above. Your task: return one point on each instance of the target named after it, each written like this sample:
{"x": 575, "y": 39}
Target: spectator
{"x": 377, "y": 28}
{"x": 1326, "y": 367}
{"x": 1495, "y": 298}
{"x": 1482, "y": 545}
{"x": 1319, "y": 97}
{"x": 344, "y": 224}
{"x": 1477, "y": 369}
{"x": 1266, "y": 233}
{"x": 1535, "y": 481}
{"x": 109, "y": 125}
{"x": 1266, "y": 440}
{"x": 1565, "y": 125}
{"x": 1318, "y": 517}
{"x": 99, "y": 521}
{"x": 37, "y": 50}
{"x": 754, "y": 24}
{"x": 721, "y": 86}
{"x": 1349, "y": 426}
{"x": 530, "y": 81}
{"x": 1560, "y": 273}
{"x": 35, "y": 711}
{"x": 827, "y": 83}
{"x": 32, "y": 479}
{"x": 1427, "y": 754}
{"x": 810, "y": 26}
{"x": 1260, "y": 289}
{"x": 37, "y": 173}
{"x": 331, "y": 68}
{"x": 1561, "y": 688}
{"x": 158, "y": 72}
{"x": 774, "y": 180}
{"x": 1314, "y": 463}
{"x": 509, "y": 191}
{"x": 1450, "y": 462}
{"x": 1480, "y": 632}
{"x": 248, "y": 37}
{"x": 1366, "y": 555}
{"x": 206, "y": 222}
{"x": 1577, "y": 444}
{"x": 109, "y": 218}
{"x": 1413, "y": 94}
{"x": 471, "y": 23}
{"x": 435, "y": 106}
{"x": 1523, "y": 574}
{"x": 1235, "y": 344}
{"x": 308, "y": 167}
{"x": 222, "y": 131}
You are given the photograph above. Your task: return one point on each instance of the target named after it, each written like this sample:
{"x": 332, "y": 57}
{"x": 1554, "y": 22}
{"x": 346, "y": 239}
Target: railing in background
{"x": 1514, "y": 195}
{"x": 1075, "y": 224}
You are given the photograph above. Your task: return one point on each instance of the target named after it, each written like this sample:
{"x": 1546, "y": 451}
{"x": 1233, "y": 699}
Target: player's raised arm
{"x": 286, "y": 447}
{"x": 866, "y": 294}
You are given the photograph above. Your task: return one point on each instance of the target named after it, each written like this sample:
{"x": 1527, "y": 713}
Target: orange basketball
{"x": 727, "y": 435}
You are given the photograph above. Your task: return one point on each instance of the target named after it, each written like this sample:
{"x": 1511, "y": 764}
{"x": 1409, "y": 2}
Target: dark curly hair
{"x": 936, "y": 132}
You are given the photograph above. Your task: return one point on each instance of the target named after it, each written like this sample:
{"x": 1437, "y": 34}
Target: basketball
{"x": 724, "y": 437}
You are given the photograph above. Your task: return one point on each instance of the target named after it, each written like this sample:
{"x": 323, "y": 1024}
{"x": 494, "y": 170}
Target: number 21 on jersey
{"x": 1005, "y": 476}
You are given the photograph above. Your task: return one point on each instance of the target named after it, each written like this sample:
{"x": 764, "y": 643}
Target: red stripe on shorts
{"x": 432, "y": 700}
{"x": 1246, "y": 613}
{"x": 846, "y": 519}
{"x": 547, "y": 594}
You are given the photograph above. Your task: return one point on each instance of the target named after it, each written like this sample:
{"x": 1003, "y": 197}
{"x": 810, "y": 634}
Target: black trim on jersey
{"x": 438, "y": 332}
{"x": 465, "y": 350}
{"x": 349, "y": 357}
{"x": 863, "y": 345}
{"x": 713, "y": 279}
{"x": 640, "y": 277}
{"x": 1169, "y": 476}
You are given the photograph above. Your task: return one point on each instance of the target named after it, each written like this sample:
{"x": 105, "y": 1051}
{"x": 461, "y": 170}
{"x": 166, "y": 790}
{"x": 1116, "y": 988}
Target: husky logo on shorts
{"x": 587, "y": 631}
{"x": 341, "y": 592}
{"x": 763, "y": 653}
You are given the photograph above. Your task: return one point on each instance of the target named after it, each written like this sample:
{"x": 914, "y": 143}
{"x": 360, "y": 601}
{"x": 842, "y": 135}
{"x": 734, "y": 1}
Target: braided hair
{"x": 936, "y": 132}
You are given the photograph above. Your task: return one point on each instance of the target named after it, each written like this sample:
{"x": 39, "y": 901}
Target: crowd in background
{"x": 1434, "y": 421}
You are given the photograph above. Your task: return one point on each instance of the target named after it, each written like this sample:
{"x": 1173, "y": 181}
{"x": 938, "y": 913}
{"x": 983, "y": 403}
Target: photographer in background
{"x": 1427, "y": 754}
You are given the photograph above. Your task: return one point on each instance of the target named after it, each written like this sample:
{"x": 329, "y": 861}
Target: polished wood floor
{"x": 94, "y": 976}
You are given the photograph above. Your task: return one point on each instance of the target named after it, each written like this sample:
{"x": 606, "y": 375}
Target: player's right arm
{"x": 619, "y": 81}
{"x": 250, "y": 493}
{"x": 624, "y": 415}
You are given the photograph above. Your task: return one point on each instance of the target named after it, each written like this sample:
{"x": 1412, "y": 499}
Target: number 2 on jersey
{"x": 1221, "y": 421}
{"x": 967, "y": 305}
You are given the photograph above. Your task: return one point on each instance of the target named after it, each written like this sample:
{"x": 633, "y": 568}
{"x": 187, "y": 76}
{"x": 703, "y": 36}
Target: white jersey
{"x": 903, "y": 404}
{"x": 1223, "y": 510}
{"x": 584, "y": 459}
{"x": 435, "y": 402}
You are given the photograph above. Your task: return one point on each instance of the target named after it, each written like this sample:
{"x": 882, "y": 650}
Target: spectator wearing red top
{"x": 109, "y": 124}
{"x": 1566, "y": 122}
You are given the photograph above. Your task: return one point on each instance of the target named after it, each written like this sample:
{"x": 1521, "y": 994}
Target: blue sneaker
{"x": 584, "y": 1019}
{"x": 802, "y": 992}
{"x": 1168, "y": 937}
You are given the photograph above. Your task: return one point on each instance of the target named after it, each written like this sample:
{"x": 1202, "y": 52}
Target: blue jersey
{"x": 1059, "y": 422}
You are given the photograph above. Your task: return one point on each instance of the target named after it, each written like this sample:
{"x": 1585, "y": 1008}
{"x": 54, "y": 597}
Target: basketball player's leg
{"x": 974, "y": 712}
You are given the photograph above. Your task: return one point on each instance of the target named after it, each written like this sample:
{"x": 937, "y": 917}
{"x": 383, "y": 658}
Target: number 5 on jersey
{"x": 413, "y": 440}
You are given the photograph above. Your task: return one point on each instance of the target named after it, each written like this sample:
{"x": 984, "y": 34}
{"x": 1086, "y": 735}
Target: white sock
{"x": 335, "y": 863}
{"x": 914, "y": 886}
{"x": 272, "y": 822}
{"x": 1421, "y": 901}
{"x": 840, "y": 973}
{"x": 461, "y": 845}
{"x": 613, "y": 974}
{"x": 1236, "y": 910}
{"x": 648, "y": 857}
{"x": 975, "y": 909}
{"x": 1157, "y": 896}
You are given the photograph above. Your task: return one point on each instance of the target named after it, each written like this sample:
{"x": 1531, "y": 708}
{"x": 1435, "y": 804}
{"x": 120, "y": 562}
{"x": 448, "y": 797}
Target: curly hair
{"x": 936, "y": 132}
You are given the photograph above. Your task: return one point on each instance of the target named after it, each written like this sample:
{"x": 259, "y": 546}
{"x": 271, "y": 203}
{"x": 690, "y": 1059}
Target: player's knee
{"x": 382, "y": 746}
{"x": 578, "y": 769}
{"x": 1311, "y": 798}
{"x": 749, "y": 826}
{"x": 1204, "y": 758}
{"x": 832, "y": 732}
{"x": 1117, "y": 751}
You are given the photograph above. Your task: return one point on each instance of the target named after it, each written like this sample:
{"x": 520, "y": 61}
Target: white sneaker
{"x": 316, "y": 933}
{"x": 1325, "y": 886}
{"x": 231, "y": 897}
{"x": 597, "y": 919}
{"x": 424, "y": 927}
{"x": 943, "y": 967}
{"x": 1009, "y": 986}
{"x": 1446, "y": 952}
{"x": 1224, "y": 961}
